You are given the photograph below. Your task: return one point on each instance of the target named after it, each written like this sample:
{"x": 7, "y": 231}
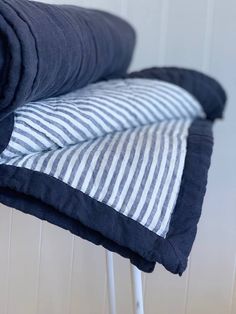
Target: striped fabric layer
{"x": 122, "y": 142}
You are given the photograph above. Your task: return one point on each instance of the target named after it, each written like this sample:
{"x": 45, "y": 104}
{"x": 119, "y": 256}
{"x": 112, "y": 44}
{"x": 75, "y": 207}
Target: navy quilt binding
{"x": 204, "y": 88}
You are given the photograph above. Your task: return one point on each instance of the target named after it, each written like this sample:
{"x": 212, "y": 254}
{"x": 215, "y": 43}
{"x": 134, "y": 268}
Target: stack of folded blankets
{"x": 118, "y": 159}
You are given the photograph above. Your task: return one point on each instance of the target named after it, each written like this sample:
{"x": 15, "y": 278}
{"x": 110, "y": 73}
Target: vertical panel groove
{"x": 9, "y": 261}
{"x": 71, "y": 273}
{"x": 231, "y": 304}
{"x": 105, "y": 283}
{"x": 39, "y": 265}
{"x": 105, "y": 297}
{"x": 163, "y": 30}
{"x": 210, "y": 10}
{"x": 210, "y": 5}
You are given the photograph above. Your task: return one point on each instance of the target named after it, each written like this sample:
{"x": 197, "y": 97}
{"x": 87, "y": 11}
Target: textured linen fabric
{"x": 122, "y": 142}
{"x": 48, "y": 50}
{"x": 122, "y": 163}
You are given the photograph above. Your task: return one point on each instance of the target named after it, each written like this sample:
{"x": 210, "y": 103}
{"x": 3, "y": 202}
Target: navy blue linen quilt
{"x": 48, "y": 50}
{"x": 118, "y": 159}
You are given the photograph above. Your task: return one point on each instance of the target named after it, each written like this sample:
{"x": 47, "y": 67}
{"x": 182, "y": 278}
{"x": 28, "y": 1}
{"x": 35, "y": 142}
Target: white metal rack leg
{"x": 136, "y": 278}
{"x": 137, "y": 290}
{"x": 111, "y": 283}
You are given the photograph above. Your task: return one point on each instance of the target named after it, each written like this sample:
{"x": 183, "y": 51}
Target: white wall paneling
{"x": 44, "y": 269}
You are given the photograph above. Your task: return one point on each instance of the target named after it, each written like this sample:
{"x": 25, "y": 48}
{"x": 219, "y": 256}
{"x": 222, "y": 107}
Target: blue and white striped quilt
{"x": 121, "y": 142}
{"x": 122, "y": 163}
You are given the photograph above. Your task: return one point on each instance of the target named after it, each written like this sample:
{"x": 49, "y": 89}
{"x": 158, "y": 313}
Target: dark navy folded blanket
{"x": 47, "y": 50}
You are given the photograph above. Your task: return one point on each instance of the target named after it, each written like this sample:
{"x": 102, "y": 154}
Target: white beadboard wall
{"x": 44, "y": 269}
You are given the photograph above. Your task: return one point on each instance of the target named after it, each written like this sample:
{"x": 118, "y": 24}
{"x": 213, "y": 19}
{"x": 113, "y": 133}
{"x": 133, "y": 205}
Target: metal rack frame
{"x": 137, "y": 290}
